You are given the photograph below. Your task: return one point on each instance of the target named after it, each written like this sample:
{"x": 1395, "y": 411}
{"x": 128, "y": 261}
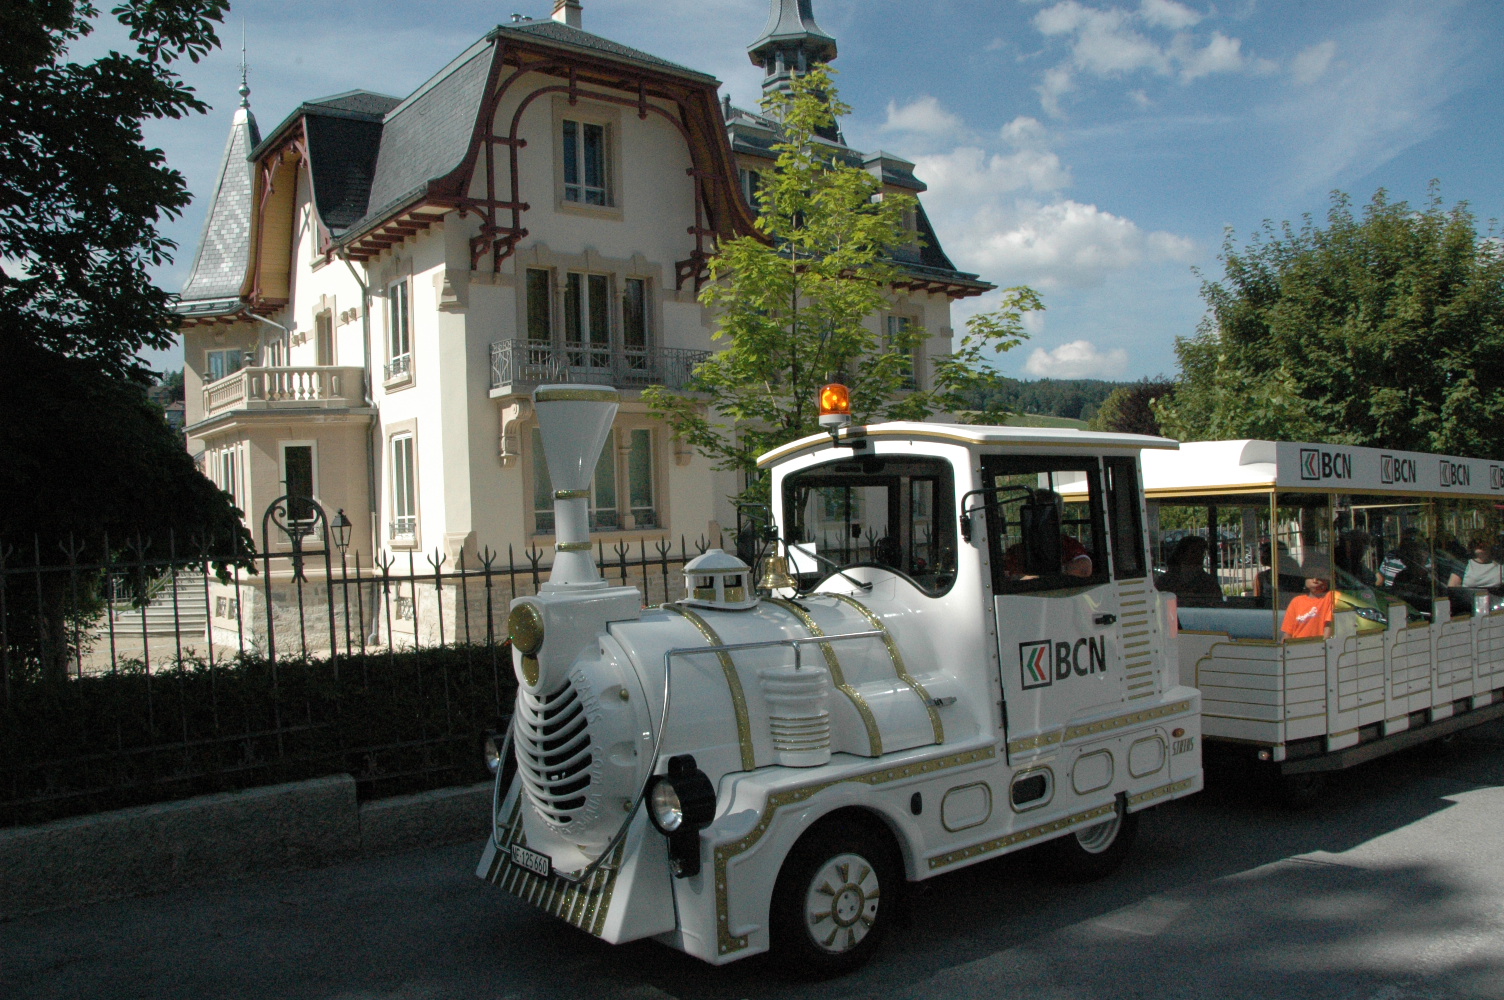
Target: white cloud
{"x": 1385, "y": 94}
{"x": 1055, "y": 84}
{"x": 1168, "y": 14}
{"x": 1000, "y": 212}
{"x": 924, "y": 116}
{"x": 1108, "y": 42}
{"x": 1220, "y": 55}
{"x": 1311, "y": 64}
{"x": 1077, "y": 359}
{"x": 969, "y": 172}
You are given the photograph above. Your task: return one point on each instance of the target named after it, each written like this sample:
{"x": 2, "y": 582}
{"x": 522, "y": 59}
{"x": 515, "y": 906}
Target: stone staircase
{"x": 192, "y": 613}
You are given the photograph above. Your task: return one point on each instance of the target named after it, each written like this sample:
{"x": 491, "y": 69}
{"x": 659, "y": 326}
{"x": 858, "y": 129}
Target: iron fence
{"x": 151, "y": 670}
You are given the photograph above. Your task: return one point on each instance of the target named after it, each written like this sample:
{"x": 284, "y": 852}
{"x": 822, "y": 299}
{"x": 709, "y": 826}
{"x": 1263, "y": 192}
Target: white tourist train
{"x": 969, "y": 641}
{"x": 961, "y": 666}
{"x": 1416, "y": 650}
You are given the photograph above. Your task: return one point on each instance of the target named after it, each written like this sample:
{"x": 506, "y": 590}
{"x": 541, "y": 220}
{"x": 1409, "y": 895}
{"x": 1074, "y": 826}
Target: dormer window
{"x": 751, "y": 184}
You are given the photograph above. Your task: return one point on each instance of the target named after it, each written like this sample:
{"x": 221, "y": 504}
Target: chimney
{"x": 567, "y": 12}
{"x": 573, "y": 421}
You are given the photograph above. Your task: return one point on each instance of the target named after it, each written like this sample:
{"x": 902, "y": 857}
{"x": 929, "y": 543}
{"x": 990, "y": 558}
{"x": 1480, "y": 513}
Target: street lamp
{"x": 341, "y": 531}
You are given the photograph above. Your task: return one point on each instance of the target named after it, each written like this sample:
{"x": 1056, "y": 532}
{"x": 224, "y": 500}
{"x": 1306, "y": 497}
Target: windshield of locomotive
{"x": 897, "y": 513}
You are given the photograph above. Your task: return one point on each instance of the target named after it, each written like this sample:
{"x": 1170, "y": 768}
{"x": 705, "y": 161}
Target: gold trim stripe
{"x": 1034, "y": 742}
{"x": 726, "y": 942}
{"x": 1119, "y": 721}
{"x": 1019, "y": 836}
{"x": 1140, "y": 798}
{"x": 572, "y": 546}
{"x": 568, "y": 395}
{"x": 898, "y": 665}
{"x": 733, "y": 681}
{"x": 837, "y": 677}
{"x": 571, "y": 494}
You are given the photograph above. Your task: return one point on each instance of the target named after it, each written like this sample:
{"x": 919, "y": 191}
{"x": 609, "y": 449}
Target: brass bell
{"x": 775, "y": 575}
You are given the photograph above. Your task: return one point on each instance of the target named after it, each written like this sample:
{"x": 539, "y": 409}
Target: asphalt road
{"x": 1391, "y": 888}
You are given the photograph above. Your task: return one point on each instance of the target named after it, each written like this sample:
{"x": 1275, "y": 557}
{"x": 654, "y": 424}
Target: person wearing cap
{"x": 1309, "y": 615}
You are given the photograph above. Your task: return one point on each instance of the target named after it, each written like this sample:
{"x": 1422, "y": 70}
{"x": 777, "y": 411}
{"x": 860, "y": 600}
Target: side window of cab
{"x": 1044, "y": 522}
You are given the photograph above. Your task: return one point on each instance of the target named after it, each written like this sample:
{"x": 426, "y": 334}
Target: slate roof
{"x": 224, "y": 249}
{"x": 427, "y": 135}
{"x": 792, "y": 22}
{"x": 554, "y": 31}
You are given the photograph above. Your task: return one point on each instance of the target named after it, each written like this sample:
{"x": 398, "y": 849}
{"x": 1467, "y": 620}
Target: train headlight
{"x": 525, "y": 627}
{"x": 680, "y": 804}
{"x": 664, "y": 807}
{"x": 491, "y": 749}
{"x": 1372, "y": 614}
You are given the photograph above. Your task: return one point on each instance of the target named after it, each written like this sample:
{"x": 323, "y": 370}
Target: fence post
{"x": 5, "y": 551}
{"x": 172, "y": 573}
{"x": 203, "y": 563}
{"x": 71, "y": 551}
{"x": 109, "y": 617}
{"x": 664, "y": 547}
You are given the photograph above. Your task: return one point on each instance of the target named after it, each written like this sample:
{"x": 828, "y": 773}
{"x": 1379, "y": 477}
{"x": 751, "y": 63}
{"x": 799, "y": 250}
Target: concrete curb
{"x": 148, "y": 849}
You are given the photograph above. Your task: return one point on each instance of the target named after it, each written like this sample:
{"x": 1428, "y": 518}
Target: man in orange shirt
{"x": 1309, "y": 615}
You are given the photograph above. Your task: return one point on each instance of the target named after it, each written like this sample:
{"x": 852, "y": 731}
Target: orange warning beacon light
{"x": 835, "y": 406}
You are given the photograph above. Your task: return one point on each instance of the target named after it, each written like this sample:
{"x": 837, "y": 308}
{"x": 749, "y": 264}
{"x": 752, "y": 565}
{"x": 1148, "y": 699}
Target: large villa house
{"x": 382, "y": 282}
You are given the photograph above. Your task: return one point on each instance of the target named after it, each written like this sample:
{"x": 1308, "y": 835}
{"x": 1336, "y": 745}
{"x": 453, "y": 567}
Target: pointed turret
{"x": 790, "y": 43}
{"x": 224, "y": 250}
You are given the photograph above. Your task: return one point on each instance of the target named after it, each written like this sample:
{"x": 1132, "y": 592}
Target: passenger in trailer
{"x": 1481, "y": 571}
{"x": 1309, "y": 615}
{"x": 1186, "y": 575}
{"x": 1289, "y": 573}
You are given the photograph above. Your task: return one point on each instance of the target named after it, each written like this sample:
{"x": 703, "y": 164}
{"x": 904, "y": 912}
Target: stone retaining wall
{"x": 150, "y": 849}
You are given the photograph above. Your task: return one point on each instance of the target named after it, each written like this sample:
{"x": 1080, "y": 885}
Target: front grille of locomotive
{"x": 553, "y": 759}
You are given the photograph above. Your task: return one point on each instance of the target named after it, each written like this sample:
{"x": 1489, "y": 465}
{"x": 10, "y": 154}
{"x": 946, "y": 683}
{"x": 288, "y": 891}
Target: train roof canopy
{"x": 971, "y": 434}
{"x": 1251, "y": 466}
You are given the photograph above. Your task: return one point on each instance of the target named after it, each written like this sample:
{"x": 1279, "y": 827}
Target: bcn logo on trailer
{"x": 1043, "y": 662}
{"x": 1316, "y": 464}
{"x": 1393, "y": 470}
{"x": 1455, "y": 474}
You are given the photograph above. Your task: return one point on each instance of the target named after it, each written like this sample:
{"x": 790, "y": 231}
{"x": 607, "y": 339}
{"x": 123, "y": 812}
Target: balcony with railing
{"x": 522, "y": 364}
{"x": 325, "y": 387}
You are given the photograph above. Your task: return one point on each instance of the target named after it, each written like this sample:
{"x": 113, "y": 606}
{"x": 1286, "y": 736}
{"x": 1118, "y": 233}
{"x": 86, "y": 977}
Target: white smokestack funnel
{"x": 574, "y": 421}
{"x": 567, "y": 12}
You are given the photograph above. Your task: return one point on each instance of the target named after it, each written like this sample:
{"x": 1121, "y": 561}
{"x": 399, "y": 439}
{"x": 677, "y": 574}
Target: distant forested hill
{"x": 1073, "y": 398}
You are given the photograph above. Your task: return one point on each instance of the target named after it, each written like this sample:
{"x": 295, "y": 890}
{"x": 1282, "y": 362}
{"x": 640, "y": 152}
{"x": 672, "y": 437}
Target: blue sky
{"x": 1094, "y": 149}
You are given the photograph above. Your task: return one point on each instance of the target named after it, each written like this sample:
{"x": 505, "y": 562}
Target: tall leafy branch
{"x": 796, "y": 305}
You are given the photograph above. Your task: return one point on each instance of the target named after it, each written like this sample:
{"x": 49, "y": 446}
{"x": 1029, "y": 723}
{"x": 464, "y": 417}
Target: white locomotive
{"x": 964, "y": 666}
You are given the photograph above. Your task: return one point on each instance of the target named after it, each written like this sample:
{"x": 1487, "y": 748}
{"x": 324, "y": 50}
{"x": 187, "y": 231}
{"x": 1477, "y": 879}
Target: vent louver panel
{"x": 553, "y": 753}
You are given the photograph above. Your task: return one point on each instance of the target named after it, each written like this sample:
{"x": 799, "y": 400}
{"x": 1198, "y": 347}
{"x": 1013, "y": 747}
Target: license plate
{"x": 538, "y": 864}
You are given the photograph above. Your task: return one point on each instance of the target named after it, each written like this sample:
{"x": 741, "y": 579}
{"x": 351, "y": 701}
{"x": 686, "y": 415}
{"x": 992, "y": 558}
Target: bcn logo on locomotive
{"x": 1045, "y": 661}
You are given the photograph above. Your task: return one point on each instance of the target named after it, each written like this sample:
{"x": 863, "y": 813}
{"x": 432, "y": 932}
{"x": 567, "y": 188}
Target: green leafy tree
{"x": 80, "y": 193}
{"x": 1130, "y": 409}
{"x": 87, "y": 454}
{"x": 1383, "y": 329}
{"x": 794, "y": 306}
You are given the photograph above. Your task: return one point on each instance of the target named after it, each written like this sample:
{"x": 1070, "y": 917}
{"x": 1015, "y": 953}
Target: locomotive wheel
{"x": 835, "y": 897}
{"x": 1095, "y": 851}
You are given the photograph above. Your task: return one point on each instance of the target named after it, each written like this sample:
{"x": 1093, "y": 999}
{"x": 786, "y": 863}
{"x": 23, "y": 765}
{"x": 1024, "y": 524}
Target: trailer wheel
{"x": 835, "y": 897}
{"x": 1095, "y": 851}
